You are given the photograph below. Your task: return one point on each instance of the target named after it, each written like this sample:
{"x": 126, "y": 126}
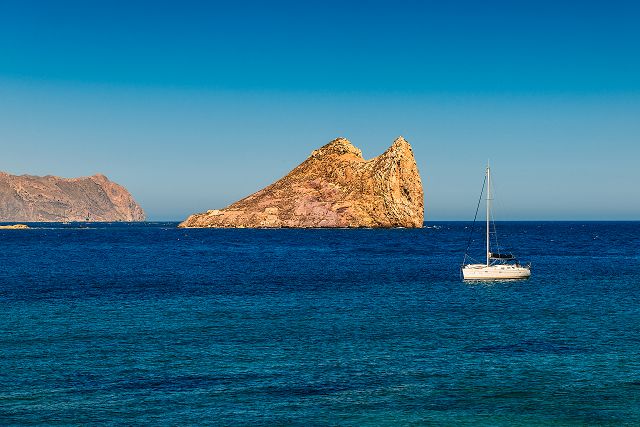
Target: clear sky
{"x": 192, "y": 105}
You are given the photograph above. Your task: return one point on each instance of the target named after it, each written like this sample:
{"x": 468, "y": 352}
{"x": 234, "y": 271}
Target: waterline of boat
{"x": 495, "y": 272}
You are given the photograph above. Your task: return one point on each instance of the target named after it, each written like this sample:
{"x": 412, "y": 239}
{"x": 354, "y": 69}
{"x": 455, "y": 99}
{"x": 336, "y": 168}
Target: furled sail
{"x": 501, "y": 256}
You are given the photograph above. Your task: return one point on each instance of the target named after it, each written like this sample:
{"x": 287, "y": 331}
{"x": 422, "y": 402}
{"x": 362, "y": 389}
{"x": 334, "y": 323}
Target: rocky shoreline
{"x": 14, "y": 227}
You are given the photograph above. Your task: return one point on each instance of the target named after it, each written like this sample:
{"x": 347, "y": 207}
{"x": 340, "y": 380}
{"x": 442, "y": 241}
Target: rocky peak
{"x": 401, "y": 143}
{"x": 399, "y": 147}
{"x": 99, "y": 177}
{"x": 339, "y": 146}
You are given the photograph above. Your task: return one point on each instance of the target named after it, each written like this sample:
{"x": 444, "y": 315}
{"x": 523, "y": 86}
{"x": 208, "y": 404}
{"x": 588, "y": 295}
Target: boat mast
{"x": 488, "y": 208}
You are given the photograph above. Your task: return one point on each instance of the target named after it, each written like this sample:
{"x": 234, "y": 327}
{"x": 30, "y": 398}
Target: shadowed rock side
{"x": 50, "y": 198}
{"x": 334, "y": 187}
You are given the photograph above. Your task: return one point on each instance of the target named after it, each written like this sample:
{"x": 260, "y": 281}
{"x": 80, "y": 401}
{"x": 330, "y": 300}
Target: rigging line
{"x": 495, "y": 233}
{"x": 473, "y": 226}
{"x": 493, "y": 221}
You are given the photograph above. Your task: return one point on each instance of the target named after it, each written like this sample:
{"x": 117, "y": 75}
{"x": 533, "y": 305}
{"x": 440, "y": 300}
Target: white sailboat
{"x": 498, "y": 266}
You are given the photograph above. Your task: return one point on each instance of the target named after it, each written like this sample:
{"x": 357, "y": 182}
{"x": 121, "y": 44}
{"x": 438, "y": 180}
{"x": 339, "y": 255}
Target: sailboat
{"x": 498, "y": 266}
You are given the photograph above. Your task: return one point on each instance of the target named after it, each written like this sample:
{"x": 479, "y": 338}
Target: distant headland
{"x": 334, "y": 187}
{"x": 49, "y": 198}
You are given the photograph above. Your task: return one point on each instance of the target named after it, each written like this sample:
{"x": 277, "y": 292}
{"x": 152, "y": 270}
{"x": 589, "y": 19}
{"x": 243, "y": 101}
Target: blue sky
{"x": 192, "y": 105}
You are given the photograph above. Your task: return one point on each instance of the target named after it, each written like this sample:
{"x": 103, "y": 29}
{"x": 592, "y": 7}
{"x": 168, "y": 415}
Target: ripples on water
{"x": 147, "y": 323}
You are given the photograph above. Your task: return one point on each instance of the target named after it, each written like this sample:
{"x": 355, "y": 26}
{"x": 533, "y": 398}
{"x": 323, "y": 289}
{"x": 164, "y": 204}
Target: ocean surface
{"x": 149, "y": 324}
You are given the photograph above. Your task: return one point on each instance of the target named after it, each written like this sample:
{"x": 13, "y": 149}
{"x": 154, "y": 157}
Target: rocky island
{"x": 334, "y": 187}
{"x": 53, "y": 199}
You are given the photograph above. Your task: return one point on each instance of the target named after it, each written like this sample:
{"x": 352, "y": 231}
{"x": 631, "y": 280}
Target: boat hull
{"x": 495, "y": 272}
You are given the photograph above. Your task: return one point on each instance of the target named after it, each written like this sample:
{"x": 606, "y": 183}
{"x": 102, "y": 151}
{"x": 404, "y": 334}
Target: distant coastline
{"x": 28, "y": 198}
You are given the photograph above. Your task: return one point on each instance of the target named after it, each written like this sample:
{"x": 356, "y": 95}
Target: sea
{"x": 145, "y": 323}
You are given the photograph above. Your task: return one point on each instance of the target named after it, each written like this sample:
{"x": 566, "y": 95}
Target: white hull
{"x": 495, "y": 272}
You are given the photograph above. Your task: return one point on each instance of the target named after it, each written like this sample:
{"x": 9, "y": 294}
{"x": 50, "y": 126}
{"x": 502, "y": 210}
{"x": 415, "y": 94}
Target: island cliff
{"x": 334, "y": 187}
{"x": 50, "y": 198}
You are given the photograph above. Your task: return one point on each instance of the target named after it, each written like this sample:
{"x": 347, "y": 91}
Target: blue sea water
{"x": 149, "y": 324}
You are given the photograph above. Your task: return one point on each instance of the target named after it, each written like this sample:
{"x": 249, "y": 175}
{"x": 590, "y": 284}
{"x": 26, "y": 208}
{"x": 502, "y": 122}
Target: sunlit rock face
{"x": 334, "y": 187}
